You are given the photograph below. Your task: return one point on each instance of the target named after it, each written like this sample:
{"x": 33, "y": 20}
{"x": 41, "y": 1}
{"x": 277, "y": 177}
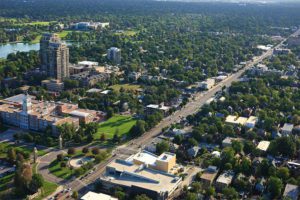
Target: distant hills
{"x": 239, "y": 1}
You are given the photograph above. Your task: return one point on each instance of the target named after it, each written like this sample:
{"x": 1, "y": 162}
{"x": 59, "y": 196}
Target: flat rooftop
{"x": 288, "y": 127}
{"x": 97, "y": 196}
{"x": 141, "y": 176}
{"x": 166, "y": 157}
{"x": 225, "y": 178}
{"x": 291, "y": 191}
{"x": 144, "y": 157}
{"x": 18, "y": 98}
{"x": 263, "y": 145}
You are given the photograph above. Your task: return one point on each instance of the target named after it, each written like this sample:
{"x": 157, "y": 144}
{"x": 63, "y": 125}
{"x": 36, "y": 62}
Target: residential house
{"x": 291, "y": 191}
{"x": 224, "y": 180}
{"x": 193, "y": 151}
{"x": 287, "y": 129}
{"x": 209, "y": 175}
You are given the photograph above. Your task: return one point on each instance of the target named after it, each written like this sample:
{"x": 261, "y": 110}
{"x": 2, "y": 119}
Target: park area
{"x": 126, "y": 87}
{"x": 117, "y": 124}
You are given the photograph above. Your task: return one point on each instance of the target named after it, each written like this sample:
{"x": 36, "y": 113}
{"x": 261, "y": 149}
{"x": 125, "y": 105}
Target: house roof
{"x": 263, "y": 145}
{"x": 291, "y": 191}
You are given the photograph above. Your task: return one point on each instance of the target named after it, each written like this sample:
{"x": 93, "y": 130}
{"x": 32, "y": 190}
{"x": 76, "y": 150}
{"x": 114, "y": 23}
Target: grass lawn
{"x": 40, "y": 23}
{"x": 5, "y": 146}
{"x": 64, "y": 173}
{"x": 127, "y": 87}
{"x": 63, "y": 34}
{"x": 4, "y": 181}
{"x": 48, "y": 189}
{"x": 122, "y": 123}
{"x": 127, "y": 33}
{"x": 36, "y": 40}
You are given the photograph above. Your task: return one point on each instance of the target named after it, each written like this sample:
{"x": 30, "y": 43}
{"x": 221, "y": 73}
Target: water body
{"x": 6, "y": 49}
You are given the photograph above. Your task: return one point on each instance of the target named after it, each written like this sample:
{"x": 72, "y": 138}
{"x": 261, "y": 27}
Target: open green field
{"x": 5, "y": 146}
{"x": 64, "y": 173}
{"x": 5, "y": 181}
{"x": 122, "y": 123}
{"x": 39, "y": 23}
{"x": 63, "y": 34}
{"x": 36, "y": 40}
{"x": 127, "y": 87}
{"x": 127, "y": 33}
{"x": 47, "y": 189}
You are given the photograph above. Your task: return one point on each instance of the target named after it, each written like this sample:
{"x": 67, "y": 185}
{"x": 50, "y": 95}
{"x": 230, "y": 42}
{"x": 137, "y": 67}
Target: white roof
{"x": 95, "y": 196}
{"x": 79, "y": 113}
{"x": 252, "y": 119}
{"x": 144, "y": 157}
{"x": 166, "y": 156}
{"x": 87, "y": 63}
{"x": 226, "y": 177}
{"x": 287, "y": 127}
{"x": 93, "y": 90}
{"x": 105, "y": 91}
{"x": 161, "y": 107}
{"x": 263, "y": 145}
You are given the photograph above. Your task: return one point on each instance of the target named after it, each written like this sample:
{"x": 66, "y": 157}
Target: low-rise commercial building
{"x": 207, "y": 84}
{"x": 141, "y": 178}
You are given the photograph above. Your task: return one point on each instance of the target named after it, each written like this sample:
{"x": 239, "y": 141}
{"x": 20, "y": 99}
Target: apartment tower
{"x": 54, "y": 56}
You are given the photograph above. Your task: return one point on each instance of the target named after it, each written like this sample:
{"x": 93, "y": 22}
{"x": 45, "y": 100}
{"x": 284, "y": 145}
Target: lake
{"x": 6, "y": 49}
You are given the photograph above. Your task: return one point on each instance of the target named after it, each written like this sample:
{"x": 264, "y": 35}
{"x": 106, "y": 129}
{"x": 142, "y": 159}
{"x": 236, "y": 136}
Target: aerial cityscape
{"x": 149, "y": 100}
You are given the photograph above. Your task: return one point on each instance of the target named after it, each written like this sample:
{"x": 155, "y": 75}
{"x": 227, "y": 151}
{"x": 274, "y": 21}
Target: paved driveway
{"x": 7, "y": 136}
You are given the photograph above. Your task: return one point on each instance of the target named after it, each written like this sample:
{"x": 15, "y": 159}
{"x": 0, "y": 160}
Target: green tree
{"x": 230, "y": 193}
{"x": 275, "y": 186}
{"x": 141, "y": 197}
{"x": 210, "y": 191}
{"x": 36, "y": 183}
{"x": 162, "y": 146}
{"x": 283, "y": 173}
{"x": 191, "y": 196}
{"x": 75, "y": 195}
{"x": 138, "y": 129}
{"x": 237, "y": 146}
{"x": 11, "y": 155}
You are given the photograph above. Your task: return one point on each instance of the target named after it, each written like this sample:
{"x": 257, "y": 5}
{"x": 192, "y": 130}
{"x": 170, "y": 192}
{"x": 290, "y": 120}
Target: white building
{"x": 97, "y": 196}
{"x": 207, "y": 84}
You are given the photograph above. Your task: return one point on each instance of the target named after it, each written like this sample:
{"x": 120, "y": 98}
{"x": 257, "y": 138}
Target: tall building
{"x": 54, "y": 56}
{"x": 114, "y": 54}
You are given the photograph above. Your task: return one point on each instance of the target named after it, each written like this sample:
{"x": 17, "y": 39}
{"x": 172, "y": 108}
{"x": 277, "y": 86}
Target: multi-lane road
{"x": 135, "y": 145}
